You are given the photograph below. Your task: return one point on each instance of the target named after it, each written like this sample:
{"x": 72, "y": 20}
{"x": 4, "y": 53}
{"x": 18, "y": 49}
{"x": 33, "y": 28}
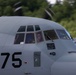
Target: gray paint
{"x": 49, "y": 64}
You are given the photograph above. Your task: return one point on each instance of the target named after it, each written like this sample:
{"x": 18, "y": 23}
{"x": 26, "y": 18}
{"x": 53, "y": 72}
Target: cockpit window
{"x": 29, "y": 34}
{"x": 30, "y": 28}
{"x": 21, "y": 29}
{"x": 62, "y": 34}
{"x": 50, "y": 35}
{"x": 19, "y": 39}
{"x": 37, "y": 27}
{"x": 39, "y": 37}
{"x": 30, "y": 38}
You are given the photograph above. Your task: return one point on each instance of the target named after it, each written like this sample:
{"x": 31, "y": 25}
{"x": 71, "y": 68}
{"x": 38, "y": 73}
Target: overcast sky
{"x": 51, "y": 1}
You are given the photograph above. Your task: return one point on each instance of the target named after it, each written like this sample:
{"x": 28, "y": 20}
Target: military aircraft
{"x": 35, "y": 46}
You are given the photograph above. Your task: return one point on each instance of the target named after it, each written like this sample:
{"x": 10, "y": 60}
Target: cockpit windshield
{"x": 33, "y": 34}
{"x": 62, "y": 34}
{"x": 28, "y": 35}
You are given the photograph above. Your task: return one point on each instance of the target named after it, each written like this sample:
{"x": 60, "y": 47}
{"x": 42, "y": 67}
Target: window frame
{"x": 26, "y": 38}
{"x": 42, "y": 38}
{"x": 61, "y": 37}
{"x": 28, "y": 28}
{"x": 23, "y": 30}
{"x": 47, "y": 38}
{"x": 37, "y": 28}
{"x": 19, "y": 41}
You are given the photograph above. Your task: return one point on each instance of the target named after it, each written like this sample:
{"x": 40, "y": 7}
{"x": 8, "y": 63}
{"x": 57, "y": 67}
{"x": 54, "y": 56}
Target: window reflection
{"x": 30, "y": 28}
{"x": 19, "y": 39}
{"x": 50, "y": 35}
{"x": 50, "y": 46}
{"x": 62, "y": 34}
{"x": 30, "y": 38}
{"x": 37, "y": 27}
{"x": 39, "y": 37}
{"x": 21, "y": 29}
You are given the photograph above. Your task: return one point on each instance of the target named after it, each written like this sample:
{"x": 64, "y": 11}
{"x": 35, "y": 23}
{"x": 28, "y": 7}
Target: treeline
{"x": 64, "y": 13}
{"x": 29, "y": 7}
{"x": 65, "y": 10}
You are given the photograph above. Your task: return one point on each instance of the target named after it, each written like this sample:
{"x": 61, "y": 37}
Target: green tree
{"x": 58, "y": 10}
{"x": 8, "y": 11}
{"x": 0, "y": 11}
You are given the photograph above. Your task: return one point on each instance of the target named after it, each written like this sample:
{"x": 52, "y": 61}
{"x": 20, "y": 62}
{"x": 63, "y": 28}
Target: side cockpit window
{"x": 50, "y": 35}
{"x": 62, "y": 34}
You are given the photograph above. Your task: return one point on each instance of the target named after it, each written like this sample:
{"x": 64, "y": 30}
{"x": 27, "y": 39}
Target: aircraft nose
{"x": 65, "y": 65}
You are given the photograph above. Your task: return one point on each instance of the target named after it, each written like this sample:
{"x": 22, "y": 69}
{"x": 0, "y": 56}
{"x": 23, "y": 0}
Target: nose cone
{"x": 65, "y": 65}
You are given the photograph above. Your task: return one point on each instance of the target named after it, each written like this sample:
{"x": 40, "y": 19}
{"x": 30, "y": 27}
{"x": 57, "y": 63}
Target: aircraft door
{"x": 37, "y": 59}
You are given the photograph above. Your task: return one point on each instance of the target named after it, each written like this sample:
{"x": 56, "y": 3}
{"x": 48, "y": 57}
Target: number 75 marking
{"x": 14, "y": 59}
